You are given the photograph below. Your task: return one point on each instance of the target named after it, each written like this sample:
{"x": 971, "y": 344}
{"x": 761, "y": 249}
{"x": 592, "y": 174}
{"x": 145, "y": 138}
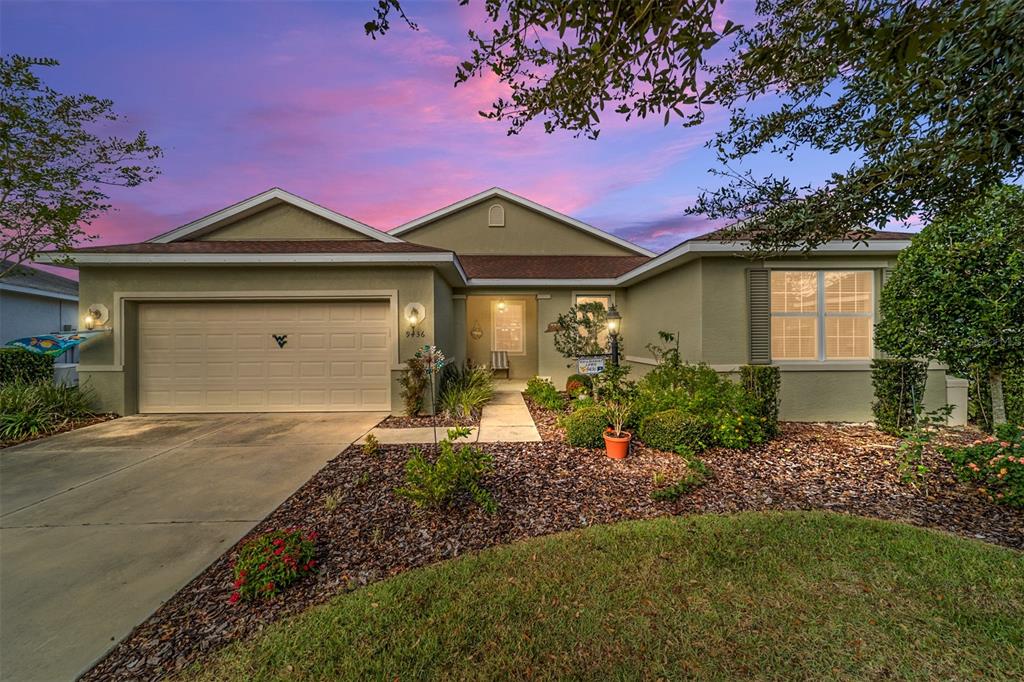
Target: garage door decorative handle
{"x": 281, "y": 339}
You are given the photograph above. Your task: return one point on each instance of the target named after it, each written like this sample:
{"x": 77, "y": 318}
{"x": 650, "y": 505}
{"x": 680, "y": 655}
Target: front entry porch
{"x": 503, "y": 323}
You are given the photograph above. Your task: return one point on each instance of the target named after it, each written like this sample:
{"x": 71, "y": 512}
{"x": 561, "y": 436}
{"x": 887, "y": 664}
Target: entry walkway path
{"x": 505, "y": 419}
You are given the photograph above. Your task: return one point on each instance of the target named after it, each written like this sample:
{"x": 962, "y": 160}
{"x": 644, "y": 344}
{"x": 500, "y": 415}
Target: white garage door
{"x": 223, "y": 357}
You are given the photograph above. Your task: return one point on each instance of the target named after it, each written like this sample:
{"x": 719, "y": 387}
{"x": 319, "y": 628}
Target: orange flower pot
{"x": 617, "y": 447}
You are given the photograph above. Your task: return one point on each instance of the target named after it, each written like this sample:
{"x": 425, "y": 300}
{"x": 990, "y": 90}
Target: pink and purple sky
{"x": 243, "y": 96}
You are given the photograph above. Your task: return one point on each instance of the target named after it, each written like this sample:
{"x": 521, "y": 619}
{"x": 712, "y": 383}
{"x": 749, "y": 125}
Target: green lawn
{"x": 780, "y": 595}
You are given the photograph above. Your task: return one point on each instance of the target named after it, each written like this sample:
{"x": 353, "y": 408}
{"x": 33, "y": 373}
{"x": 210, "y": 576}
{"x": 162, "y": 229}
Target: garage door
{"x": 224, "y": 357}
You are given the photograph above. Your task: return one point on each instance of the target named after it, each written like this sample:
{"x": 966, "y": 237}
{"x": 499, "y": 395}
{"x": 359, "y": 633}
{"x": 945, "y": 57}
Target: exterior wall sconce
{"x": 614, "y": 319}
{"x": 414, "y": 314}
{"x": 476, "y": 332}
{"x": 96, "y": 314}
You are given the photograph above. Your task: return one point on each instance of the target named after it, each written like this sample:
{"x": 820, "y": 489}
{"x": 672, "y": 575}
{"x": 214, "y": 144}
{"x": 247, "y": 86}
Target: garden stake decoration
{"x": 434, "y": 361}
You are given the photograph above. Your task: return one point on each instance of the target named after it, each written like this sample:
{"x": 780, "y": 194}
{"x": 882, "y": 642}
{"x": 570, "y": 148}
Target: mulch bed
{"x": 544, "y": 488}
{"x": 69, "y": 426}
{"x": 419, "y": 421}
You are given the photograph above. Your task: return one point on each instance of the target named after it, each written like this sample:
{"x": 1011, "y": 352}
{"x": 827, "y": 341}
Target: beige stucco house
{"x": 279, "y": 304}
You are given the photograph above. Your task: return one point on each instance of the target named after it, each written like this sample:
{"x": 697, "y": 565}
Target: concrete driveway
{"x": 99, "y": 526}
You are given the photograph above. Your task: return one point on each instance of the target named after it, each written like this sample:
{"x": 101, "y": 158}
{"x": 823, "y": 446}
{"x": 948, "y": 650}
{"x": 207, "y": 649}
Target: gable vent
{"x": 496, "y": 216}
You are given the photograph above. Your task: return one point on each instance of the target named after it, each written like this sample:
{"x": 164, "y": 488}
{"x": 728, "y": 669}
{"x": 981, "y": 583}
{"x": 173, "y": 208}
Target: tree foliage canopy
{"x": 55, "y": 166}
{"x": 928, "y": 95}
{"x": 581, "y": 330}
{"x": 957, "y": 292}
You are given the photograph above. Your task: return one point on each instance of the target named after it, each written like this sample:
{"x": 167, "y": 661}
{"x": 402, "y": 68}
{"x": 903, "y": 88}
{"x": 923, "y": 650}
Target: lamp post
{"x": 614, "y": 319}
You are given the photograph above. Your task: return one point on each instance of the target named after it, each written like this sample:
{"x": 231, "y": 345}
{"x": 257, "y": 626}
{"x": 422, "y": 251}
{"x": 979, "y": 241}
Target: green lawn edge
{"x": 794, "y": 595}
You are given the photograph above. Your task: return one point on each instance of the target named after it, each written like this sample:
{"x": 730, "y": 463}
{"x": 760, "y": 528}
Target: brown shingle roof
{"x": 268, "y": 246}
{"x": 549, "y": 267}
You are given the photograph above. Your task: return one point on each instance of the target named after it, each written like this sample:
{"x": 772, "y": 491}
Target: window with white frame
{"x": 822, "y": 315}
{"x": 509, "y": 326}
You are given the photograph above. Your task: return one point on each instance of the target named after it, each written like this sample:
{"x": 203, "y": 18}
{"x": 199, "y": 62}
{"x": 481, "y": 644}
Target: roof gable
{"x": 26, "y": 279}
{"x": 248, "y": 219}
{"x": 467, "y": 227}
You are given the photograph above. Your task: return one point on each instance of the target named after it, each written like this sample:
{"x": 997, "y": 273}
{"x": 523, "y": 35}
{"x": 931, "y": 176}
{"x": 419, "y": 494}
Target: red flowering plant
{"x": 271, "y": 562}
{"x": 996, "y": 463}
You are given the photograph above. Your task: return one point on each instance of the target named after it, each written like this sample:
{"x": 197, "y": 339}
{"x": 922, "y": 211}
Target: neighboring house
{"x": 33, "y": 302}
{"x": 279, "y": 304}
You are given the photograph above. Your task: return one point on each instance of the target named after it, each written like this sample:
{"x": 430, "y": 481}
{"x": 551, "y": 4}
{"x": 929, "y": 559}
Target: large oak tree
{"x": 928, "y": 95}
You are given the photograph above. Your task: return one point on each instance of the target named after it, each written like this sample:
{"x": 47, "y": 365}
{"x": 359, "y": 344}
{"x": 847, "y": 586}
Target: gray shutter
{"x": 759, "y": 305}
{"x": 886, "y": 272}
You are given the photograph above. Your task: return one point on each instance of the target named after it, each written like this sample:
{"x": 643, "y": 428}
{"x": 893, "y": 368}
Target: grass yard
{"x": 804, "y": 595}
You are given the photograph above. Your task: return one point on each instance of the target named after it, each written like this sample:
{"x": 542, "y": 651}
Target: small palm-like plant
{"x": 618, "y": 415}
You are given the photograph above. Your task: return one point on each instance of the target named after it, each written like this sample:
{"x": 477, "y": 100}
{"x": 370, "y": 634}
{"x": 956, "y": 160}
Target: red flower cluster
{"x": 272, "y": 561}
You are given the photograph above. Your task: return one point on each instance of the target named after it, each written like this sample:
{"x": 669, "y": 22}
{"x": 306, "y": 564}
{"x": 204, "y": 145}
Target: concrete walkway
{"x": 99, "y": 526}
{"x": 505, "y": 419}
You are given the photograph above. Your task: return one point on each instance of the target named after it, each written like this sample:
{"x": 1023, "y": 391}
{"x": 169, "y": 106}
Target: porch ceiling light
{"x": 501, "y": 306}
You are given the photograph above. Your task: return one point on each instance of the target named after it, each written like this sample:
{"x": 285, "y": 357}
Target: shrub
{"x": 30, "y": 410}
{"x": 413, "y": 382}
{"x": 980, "y": 399}
{"x": 465, "y": 391}
{"x": 544, "y": 393}
{"x": 697, "y": 474}
{"x": 577, "y": 382}
{"x": 899, "y": 392}
{"x": 761, "y": 383}
{"x": 672, "y": 429}
{"x": 271, "y": 562}
{"x": 456, "y": 470}
{"x": 584, "y": 428}
{"x": 996, "y": 463}
{"x": 610, "y": 384}
{"x": 19, "y": 366}
{"x": 371, "y": 445}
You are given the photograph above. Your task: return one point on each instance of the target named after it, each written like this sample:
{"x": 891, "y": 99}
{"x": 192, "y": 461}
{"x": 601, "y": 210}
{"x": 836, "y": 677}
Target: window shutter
{"x": 759, "y": 305}
{"x": 886, "y": 272}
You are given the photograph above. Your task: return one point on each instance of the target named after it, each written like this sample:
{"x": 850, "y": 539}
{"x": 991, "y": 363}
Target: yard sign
{"x": 591, "y": 364}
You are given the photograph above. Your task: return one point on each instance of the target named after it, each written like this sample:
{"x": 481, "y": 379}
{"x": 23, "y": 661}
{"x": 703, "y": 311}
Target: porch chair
{"x": 499, "y": 362}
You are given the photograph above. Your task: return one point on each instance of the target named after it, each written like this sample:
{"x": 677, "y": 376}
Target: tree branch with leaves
{"x": 55, "y": 167}
{"x": 927, "y": 95}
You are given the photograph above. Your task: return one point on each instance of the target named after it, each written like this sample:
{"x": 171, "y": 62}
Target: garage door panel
{"x": 222, "y": 356}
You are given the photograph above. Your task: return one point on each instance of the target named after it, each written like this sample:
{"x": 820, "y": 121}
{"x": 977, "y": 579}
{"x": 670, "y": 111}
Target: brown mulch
{"x": 70, "y": 425}
{"x": 544, "y": 488}
{"x": 546, "y": 420}
{"x": 403, "y": 422}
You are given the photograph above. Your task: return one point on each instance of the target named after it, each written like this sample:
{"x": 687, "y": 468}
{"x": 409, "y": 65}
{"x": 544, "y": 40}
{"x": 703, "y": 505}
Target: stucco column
{"x": 956, "y": 395}
{"x": 459, "y": 329}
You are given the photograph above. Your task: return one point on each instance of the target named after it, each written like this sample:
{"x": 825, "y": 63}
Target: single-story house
{"x": 279, "y": 304}
{"x": 33, "y": 302}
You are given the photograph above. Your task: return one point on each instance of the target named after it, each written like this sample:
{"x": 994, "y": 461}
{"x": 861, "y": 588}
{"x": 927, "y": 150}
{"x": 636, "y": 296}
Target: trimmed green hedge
{"x": 18, "y": 365}
{"x": 762, "y": 384}
{"x": 585, "y": 427}
{"x": 899, "y": 392}
{"x": 673, "y": 429}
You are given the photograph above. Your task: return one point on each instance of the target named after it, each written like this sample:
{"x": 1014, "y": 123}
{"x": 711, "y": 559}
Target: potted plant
{"x": 616, "y": 441}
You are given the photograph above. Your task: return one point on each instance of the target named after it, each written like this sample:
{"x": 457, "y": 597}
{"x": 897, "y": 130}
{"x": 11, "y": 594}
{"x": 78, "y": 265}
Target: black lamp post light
{"x": 614, "y": 321}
